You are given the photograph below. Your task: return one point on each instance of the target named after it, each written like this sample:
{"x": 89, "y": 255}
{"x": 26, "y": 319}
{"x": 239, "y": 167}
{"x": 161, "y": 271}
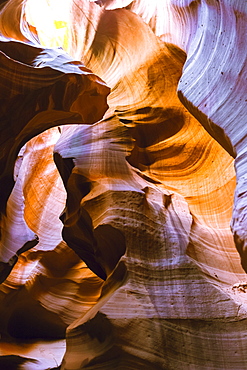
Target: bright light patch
{"x": 50, "y": 19}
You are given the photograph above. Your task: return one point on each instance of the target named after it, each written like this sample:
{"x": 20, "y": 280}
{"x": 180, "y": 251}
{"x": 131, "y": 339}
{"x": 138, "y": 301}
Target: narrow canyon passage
{"x": 122, "y": 185}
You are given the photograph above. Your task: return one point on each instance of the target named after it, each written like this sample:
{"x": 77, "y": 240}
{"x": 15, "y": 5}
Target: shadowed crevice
{"x": 12, "y": 362}
{"x": 100, "y": 248}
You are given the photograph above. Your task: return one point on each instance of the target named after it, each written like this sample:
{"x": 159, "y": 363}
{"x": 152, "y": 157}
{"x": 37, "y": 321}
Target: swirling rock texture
{"x": 115, "y": 223}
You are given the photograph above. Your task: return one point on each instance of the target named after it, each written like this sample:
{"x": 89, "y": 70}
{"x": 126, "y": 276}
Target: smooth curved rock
{"x": 213, "y": 87}
{"x": 149, "y": 196}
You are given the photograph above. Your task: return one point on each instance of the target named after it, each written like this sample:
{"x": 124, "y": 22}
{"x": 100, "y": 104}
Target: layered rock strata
{"x": 134, "y": 260}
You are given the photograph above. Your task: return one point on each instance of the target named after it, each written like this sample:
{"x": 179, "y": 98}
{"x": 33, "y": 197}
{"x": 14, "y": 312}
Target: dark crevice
{"x": 100, "y": 248}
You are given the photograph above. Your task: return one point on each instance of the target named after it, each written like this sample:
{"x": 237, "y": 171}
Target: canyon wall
{"x": 122, "y": 187}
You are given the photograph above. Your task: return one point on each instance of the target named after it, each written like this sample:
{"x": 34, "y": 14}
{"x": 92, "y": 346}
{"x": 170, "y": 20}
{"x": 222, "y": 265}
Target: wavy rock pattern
{"x": 119, "y": 224}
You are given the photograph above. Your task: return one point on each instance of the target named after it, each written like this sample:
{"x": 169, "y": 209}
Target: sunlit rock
{"x": 128, "y": 209}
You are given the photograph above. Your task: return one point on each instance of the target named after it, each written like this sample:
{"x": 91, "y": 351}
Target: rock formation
{"x": 117, "y": 184}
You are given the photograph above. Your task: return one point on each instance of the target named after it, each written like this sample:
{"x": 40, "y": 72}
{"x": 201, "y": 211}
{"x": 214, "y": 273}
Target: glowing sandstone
{"x": 149, "y": 201}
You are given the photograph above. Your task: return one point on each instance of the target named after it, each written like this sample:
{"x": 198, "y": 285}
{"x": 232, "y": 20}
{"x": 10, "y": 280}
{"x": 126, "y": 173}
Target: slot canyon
{"x": 123, "y": 193}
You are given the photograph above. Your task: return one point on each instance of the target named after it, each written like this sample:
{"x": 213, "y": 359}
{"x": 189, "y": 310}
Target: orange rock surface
{"x": 120, "y": 233}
